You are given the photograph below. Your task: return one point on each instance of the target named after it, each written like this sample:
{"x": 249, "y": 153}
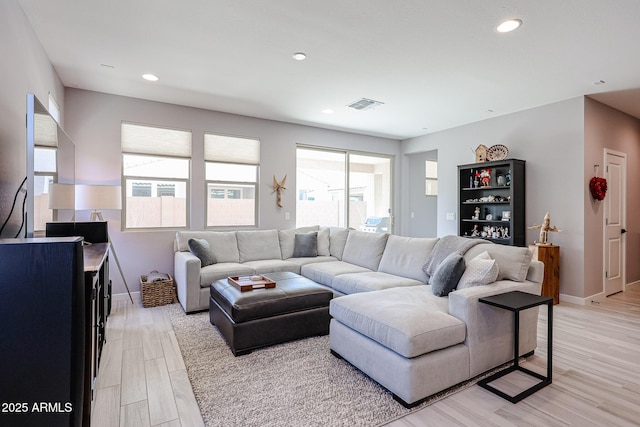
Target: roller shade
{"x": 46, "y": 130}
{"x": 140, "y": 139}
{"x": 231, "y": 149}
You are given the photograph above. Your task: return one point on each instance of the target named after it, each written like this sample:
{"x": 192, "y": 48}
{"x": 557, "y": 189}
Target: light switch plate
{"x": 451, "y": 216}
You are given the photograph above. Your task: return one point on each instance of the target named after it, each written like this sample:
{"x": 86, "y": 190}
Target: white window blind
{"x": 231, "y": 149}
{"x": 141, "y": 139}
{"x": 47, "y": 134}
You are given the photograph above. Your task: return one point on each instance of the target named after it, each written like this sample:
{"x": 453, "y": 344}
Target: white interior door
{"x": 614, "y": 217}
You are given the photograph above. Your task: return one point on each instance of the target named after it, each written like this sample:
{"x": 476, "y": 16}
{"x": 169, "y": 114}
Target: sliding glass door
{"x": 340, "y": 188}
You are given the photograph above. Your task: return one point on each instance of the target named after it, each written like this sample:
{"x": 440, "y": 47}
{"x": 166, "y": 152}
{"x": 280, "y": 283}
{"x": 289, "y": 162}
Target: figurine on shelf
{"x": 485, "y": 177}
{"x": 545, "y": 228}
{"x": 505, "y": 232}
{"x": 508, "y": 178}
{"x": 475, "y": 232}
{"x": 476, "y": 214}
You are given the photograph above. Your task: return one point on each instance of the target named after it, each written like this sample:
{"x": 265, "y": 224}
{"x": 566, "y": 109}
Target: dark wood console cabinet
{"x": 54, "y": 303}
{"x": 96, "y": 279}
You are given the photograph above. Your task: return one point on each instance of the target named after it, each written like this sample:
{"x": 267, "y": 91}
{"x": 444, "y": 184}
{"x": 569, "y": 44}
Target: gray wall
{"x": 550, "y": 139}
{"x": 94, "y": 125}
{"x": 24, "y": 68}
{"x": 423, "y": 209}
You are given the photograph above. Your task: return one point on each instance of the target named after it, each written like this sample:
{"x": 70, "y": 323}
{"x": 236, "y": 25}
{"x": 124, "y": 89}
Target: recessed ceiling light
{"x": 299, "y": 56}
{"x": 150, "y": 77}
{"x": 509, "y": 25}
{"x": 599, "y": 82}
{"x": 328, "y": 111}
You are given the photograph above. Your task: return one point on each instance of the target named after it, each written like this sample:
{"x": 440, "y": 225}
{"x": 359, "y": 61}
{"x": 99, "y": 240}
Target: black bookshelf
{"x": 495, "y": 208}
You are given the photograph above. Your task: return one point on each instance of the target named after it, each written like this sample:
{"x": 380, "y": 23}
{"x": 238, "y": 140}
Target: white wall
{"x": 24, "y": 68}
{"x": 550, "y": 139}
{"x": 93, "y": 123}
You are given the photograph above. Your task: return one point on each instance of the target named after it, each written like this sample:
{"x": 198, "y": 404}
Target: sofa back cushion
{"x": 364, "y": 249}
{"x": 257, "y": 245}
{"x": 337, "y": 240}
{"x": 404, "y": 256}
{"x": 513, "y": 262}
{"x": 287, "y": 238}
{"x": 222, "y": 244}
{"x": 324, "y": 243}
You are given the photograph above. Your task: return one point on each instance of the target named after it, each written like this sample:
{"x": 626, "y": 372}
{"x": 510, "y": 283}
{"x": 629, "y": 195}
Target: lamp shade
{"x": 61, "y": 196}
{"x": 96, "y": 197}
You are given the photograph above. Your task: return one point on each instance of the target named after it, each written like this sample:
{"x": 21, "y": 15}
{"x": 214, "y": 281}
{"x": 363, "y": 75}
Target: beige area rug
{"x": 293, "y": 384}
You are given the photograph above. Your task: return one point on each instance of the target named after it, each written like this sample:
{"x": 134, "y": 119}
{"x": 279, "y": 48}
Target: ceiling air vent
{"x": 364, "y": 104}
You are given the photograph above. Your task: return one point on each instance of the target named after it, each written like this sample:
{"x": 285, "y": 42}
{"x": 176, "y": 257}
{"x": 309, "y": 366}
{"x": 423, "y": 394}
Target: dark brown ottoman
{"x": 296, "y": 308}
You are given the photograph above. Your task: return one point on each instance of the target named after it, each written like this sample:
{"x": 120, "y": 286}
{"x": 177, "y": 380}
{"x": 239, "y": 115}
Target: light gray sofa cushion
{"x": 337, "y": 240}
{"x": 421, "y": 325}
{"x": 256, "y": 245}
{"x": 287, "y": 239}
{"x": 325, "y": 272}
{"x": 404, "y": 256}
{"x": 211, "y": 273}
{"x": 364, "y": 249}
{"x": 324, "y": 242}
{"x": 223, "y": 244}
{"x": 264, "y": 266}
{"x": 513, "y": 262}
{"x": 370, "y": 281}
{"x": 305, "y": 261}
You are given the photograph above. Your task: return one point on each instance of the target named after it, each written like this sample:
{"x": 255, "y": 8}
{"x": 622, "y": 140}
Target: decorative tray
{"x": 249, "y": 283}
{"x": 497, "y": 152}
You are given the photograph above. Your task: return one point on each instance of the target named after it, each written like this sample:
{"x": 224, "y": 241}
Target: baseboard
{"x": 632, "y": 284}
{"x": 573, "y": 300}
{"x": 125, "y": 297}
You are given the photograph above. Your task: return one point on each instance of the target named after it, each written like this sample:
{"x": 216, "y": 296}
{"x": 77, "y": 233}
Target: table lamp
{"x": 97, "y": 198}
{"x": 62, "y": 197}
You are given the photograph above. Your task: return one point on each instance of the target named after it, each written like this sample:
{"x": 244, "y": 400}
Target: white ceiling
{"x": 434, "y": 64}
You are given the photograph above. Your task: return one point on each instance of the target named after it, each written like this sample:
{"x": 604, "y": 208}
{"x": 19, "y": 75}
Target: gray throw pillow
{"x": 447, "y": 274}
{"x": 201, "y": 249}
{"x": 305, "y": 245}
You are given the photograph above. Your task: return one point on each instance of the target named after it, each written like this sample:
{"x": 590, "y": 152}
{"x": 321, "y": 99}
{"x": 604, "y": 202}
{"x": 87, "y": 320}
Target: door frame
{"x": 623, "y": 183}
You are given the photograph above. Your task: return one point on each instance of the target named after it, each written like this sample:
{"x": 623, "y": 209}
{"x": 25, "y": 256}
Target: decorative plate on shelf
{"x": 497, "y": 152}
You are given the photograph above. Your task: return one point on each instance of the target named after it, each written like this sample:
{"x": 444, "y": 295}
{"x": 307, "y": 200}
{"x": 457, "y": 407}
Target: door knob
{"x": 624, "y": 230}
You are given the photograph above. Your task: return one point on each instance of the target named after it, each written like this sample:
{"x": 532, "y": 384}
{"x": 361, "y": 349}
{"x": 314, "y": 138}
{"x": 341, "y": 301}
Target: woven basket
{"x": 160, "y": 292}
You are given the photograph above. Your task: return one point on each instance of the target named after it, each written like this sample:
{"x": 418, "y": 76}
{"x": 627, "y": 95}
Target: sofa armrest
{"x": 490, "y": 329}
{"x": 187, "y": 276}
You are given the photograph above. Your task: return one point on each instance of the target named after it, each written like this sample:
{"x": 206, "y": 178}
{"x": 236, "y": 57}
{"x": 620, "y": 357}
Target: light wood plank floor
{"x": 143, "y": 382}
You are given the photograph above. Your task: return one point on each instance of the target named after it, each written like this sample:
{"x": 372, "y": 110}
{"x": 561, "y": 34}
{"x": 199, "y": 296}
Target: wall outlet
{"x": 451, "y": 216}
{"x": 287, "y": 216}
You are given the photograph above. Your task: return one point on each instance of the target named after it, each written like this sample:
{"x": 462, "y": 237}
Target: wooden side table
{"x": 516, "y": 302}
{"x": 550, "y": 257}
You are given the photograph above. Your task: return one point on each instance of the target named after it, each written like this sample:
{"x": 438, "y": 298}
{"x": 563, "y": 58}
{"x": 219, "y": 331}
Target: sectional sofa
{"x": 386, "y": 319}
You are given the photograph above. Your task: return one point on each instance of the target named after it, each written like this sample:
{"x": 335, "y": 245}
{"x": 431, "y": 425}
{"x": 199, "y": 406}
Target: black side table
{"x": 517, "y": 301}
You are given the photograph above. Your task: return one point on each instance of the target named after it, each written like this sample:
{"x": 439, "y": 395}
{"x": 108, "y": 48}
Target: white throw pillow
{"x": 481, "y": 270}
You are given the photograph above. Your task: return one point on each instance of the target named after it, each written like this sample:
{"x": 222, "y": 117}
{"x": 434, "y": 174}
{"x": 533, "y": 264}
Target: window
{"x": 231, "y": 173}
{"x": 45, "y": 167}
{"x": 323, "y": 176}
{"x": 155, "y": 174}
{"x": 431, "y": 178}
